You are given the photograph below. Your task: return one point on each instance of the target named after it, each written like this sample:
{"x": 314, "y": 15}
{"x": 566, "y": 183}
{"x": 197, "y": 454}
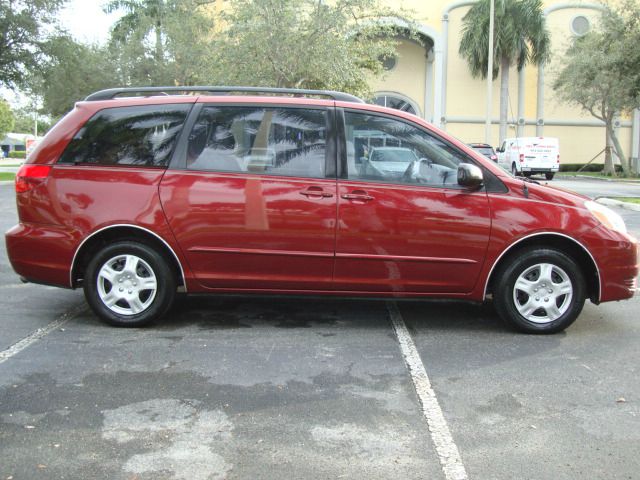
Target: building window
{"x": 388, "y": 62}
{"x": 394, "y": 100}
{"x": 580, "y": 25}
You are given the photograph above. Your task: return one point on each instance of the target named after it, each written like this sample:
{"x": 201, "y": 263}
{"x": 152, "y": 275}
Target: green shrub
{"x": 17, "y": 154}
{"x": 592, "y": 167}
{"x": 574, "y": 167}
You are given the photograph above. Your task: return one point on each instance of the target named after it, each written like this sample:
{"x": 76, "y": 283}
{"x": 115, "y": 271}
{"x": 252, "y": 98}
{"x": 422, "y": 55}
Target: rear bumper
{"x": 553, "y": 169}
{"x": 41, "y": 253}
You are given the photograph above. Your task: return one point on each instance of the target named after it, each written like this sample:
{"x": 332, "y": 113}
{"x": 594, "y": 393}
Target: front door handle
{"x": 357, "y": 195}
{"x": 315, "y": 191}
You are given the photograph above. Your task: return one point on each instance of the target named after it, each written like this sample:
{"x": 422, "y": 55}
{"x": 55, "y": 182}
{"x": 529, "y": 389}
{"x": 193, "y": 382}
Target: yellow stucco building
{"x": 434, "y": 82}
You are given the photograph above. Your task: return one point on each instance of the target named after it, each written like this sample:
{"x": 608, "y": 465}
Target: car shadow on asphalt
{"x": 229, "y": 312}
{"x": 233, "y": 312}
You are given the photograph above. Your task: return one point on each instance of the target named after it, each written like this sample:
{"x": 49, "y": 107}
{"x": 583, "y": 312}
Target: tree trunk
{"x": 159, "y": 53}
{"x": 616, "y": 144}
{"x": 504, "y": 97}
{"x": 609, "y": 167}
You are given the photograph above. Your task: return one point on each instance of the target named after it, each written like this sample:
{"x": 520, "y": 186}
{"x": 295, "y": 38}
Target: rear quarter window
{"x": 141, "y": 135}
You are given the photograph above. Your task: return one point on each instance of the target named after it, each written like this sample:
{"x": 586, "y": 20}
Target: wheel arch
{"x": 112, "y": 233}
{"x": 559, "y": 241}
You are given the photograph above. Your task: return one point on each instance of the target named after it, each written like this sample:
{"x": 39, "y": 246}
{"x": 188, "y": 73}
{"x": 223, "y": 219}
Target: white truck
{"x": 530, "y": 155}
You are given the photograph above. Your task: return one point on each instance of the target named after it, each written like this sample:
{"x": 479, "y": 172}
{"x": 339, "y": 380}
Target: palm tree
{"x": 141, "y": 17}
{"x": 520, "y": 37}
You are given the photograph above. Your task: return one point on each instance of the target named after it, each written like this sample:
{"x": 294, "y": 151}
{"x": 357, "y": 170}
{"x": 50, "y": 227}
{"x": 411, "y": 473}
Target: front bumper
{"x": 616, "y": 256}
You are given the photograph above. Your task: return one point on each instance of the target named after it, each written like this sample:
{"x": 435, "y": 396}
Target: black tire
{"x": 512, "y": 302}
{"x": 514, "y": 170}
{"x": 150, "y": 267}
{"x": 549, "y": 176}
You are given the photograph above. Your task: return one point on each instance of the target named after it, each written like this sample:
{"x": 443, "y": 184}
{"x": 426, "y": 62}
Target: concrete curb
{"x": 600, "y": 179}
{"x": 7, "y": 182}
{"x": 611, "y": 202}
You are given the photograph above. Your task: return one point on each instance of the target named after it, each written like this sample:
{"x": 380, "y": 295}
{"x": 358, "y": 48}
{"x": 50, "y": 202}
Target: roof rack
{"x": 112, "y": 93}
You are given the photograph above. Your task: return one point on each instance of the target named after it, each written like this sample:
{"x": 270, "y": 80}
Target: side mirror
{"x": 469, "y": 175}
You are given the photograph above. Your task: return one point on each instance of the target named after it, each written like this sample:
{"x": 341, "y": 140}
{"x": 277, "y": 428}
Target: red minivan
{"x": 137, "y": 194}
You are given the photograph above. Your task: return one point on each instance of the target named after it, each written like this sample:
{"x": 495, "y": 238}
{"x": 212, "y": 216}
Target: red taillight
{"x": 31, "y": 175}
{"x": 558, "y": 159}
{"x": 521, "y": 157}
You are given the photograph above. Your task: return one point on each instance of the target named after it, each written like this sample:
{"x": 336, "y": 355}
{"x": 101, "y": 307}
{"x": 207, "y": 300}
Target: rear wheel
{"x": 129, "y": 284}
{"x": 549, "y": 176}
{"x": 540, "y": 291}
{"x": 514, "y": 170}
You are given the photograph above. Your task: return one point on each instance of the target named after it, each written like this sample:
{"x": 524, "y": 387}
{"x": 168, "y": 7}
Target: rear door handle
{"x": 357, "y": 195}
{"x": 315, "y": 191}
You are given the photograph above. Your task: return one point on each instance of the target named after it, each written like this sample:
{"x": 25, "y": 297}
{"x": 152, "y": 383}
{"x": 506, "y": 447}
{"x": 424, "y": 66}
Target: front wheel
{"x": 129, "y": 284}
{"x": 540, "y": 291}
{"x": 549, "y": 176}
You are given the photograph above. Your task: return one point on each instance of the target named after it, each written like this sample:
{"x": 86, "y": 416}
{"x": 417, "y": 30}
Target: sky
{"x": 86, "y": 21}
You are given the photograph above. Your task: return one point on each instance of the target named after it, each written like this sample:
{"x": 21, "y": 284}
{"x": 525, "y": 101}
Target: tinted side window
{"x": 272, "y": 141}
{"x": 142, "y": 135}
{"x": 385, "y": 150}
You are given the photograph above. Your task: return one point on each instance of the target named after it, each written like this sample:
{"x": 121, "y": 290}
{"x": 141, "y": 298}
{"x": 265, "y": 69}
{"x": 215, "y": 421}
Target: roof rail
{"x": 114, "y": 92}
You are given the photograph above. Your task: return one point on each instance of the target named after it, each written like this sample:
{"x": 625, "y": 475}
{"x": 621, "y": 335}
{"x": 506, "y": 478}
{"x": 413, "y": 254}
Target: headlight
{"x": 606, "y": 216}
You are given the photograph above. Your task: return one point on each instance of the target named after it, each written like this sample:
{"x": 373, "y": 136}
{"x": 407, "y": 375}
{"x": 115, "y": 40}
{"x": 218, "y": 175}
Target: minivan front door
{"x": 254, "y": 209}
{"x": 404, "y": 224}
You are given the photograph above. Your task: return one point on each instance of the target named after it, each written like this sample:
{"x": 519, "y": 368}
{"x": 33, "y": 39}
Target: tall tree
{"x": 601, "y": 70}
{"x": 25, "y": 121}
{"x": 520, "y": 37}
{"x": 24, "y": 27}
{"x": 303, "y": 43}
{"x": 160, "y": 41}
{"x": 7, "y": 119}
{"x": 141, "y": 18}
{"x": 71, "y": 72}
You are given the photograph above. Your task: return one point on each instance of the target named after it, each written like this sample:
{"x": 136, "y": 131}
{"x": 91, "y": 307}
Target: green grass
{"x": 7, "y": 176}
{"x": 629, "y": 199}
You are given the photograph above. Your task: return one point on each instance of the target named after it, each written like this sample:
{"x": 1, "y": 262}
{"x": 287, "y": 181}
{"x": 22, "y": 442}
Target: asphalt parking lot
{"x": 246, "y": 388}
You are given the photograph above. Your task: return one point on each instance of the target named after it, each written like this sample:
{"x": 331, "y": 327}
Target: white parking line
{"x": 41, "y": 332}
{"x": 446, "y": 449}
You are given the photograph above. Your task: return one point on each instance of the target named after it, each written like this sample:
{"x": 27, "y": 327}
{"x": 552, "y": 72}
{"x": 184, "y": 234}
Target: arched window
{"x": 397, "y": 101}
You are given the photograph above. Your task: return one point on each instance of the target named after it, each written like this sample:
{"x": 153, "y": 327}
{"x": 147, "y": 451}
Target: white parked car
{"x": 387, "y": 161}
{"x": 530, "y": 155}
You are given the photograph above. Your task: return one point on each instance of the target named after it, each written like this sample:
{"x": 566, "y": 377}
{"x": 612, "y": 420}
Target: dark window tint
{"x": 273, "y": 141}
{"x": 382, "y": 149}
{"x": 142, "y": 135}
{"x": 487, "y": 152}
